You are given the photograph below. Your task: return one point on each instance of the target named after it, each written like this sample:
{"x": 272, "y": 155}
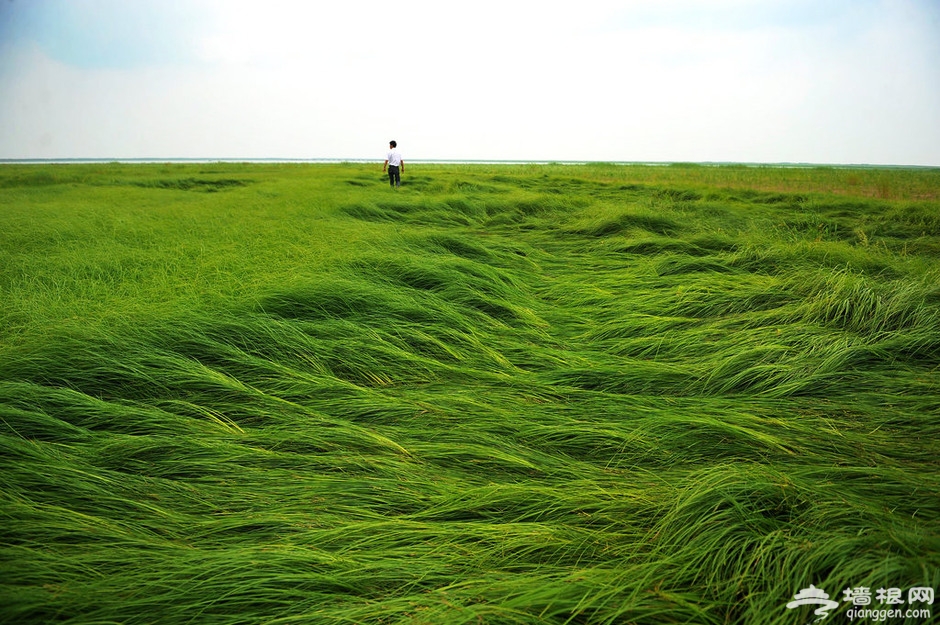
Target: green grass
{"x": 504, "y": 394}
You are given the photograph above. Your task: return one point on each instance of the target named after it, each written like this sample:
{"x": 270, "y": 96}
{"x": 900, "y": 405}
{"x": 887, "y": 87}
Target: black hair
{"x": 394, "y": 144}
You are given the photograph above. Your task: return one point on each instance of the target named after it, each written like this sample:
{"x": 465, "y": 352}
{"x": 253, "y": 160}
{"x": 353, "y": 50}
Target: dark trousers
{"x": 394, "y": 176}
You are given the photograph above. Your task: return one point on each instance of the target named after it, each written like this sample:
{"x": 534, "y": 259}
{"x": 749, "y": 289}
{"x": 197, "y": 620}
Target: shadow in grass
{"x": 644, "y": 221}
{"x": 192, "y": 184}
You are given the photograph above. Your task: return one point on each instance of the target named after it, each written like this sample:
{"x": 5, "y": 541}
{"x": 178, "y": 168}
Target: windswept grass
{"x": 503, "y": 394}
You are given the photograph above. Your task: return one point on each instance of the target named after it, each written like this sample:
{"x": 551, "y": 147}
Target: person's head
{"x": 393, "y": 144}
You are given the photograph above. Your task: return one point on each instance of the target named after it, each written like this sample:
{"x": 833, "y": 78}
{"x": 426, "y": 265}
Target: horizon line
{"x": 434, "y": 161}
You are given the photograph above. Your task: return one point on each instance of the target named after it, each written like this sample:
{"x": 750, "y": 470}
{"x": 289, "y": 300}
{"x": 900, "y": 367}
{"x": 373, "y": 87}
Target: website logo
{"x": 878, "y": 606}
{"x": 814, "y": 596}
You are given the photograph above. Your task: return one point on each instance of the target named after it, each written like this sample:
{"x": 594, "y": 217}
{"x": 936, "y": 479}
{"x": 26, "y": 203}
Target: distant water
{"x": 288, "y": 160}
{"x": 41, "y": 161}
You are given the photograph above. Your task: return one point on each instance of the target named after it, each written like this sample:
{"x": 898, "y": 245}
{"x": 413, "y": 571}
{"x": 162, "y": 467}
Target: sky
{"x": 755, "y": 81}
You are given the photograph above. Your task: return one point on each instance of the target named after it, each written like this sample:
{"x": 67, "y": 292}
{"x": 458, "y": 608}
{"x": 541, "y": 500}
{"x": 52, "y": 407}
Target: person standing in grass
{"x": 395, "y": 165}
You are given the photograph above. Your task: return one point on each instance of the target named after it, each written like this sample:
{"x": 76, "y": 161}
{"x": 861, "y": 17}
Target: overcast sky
{"x": 819, "y": 81}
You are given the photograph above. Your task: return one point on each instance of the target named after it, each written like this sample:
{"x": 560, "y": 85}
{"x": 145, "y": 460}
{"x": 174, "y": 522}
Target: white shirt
{"x": 394, "y": 157}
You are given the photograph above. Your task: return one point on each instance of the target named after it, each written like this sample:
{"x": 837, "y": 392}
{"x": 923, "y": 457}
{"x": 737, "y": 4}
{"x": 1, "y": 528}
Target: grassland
{"x": 281, "y": 394}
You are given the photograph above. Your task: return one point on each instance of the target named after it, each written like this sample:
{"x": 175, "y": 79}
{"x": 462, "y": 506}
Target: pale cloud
{"x": 730, "y": 80}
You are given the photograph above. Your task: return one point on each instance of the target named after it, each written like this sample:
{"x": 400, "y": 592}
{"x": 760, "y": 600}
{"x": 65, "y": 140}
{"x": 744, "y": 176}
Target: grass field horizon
{"x": 285, "y": 393}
